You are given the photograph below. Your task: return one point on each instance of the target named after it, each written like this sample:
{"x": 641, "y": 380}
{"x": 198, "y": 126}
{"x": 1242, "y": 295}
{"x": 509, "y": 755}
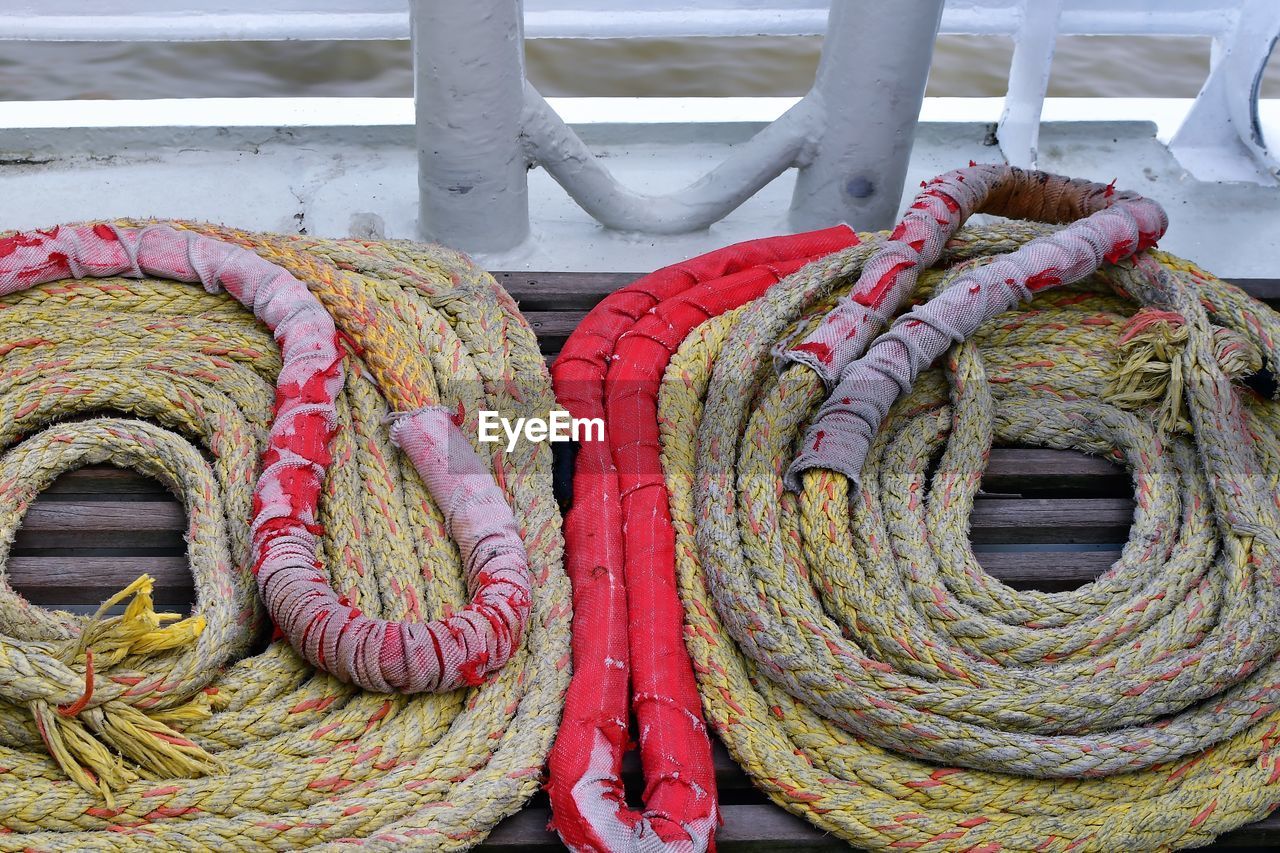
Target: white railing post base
{"x": 870, "y": 85}
{"x": 469, "y": 95}
{"x": 1019, "y": 128}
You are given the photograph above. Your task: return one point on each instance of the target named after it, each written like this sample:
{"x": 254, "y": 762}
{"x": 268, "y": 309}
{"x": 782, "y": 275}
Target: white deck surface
{"x": 347, "y": 168}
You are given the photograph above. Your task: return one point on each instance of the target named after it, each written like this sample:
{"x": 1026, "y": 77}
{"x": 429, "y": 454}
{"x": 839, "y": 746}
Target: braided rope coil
{"x": 188, "y": 735}
{"x": 867, "y": 672}
{"x": 846, "y": 643}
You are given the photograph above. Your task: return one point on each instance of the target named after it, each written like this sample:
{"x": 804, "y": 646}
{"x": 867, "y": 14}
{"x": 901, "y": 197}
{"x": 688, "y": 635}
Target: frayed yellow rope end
{"x": 81, "y": 756}
{"x": 201, "y": 707}
{"x": 140, "y": 630}
{"x": 150, "y": 743}
{"x": 88, "y": 743}
{"x": 1151, "y": 372}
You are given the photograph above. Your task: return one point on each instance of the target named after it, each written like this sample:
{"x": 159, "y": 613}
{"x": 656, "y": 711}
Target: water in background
{"x": 965, "y": 66}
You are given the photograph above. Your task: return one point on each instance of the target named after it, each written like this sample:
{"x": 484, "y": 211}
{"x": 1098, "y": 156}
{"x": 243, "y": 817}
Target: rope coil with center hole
{"x": 397, "y": 559}
{"x": 848, "y": 647}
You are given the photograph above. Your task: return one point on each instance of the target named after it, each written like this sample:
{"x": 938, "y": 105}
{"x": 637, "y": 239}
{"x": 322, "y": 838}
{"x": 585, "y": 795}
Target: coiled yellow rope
{"x": 213, "y": 746}
{"x": 801, "y": 610}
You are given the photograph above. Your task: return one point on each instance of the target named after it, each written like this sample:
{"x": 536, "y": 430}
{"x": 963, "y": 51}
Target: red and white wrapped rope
{"x": 375, "y": 654}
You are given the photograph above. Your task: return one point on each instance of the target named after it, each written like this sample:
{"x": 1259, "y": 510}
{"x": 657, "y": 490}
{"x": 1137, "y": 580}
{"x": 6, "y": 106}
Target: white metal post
{"x": 468, "y": 62}
{"x": 1019, "y": 128}
{"x": 870, "y": 86}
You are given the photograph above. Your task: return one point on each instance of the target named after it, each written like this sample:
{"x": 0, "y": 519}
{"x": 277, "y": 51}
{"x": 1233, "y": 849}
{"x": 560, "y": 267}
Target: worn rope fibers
{"x": 849, "y": 648}
{"x": 282, "y": 756}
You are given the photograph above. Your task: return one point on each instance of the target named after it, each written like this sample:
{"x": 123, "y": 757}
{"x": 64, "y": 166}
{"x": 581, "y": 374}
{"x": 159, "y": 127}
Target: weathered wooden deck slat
{"x": 120, "y": 483}
{"x": 65, "y": 538}
{"x": 553, "y": 327}
{"x": 79, "y": 579}
{"x": 69, "y": 543}
{"x": 562, "y": 291}
{"x": 1032, "y": 471}
{"x": 105, "y": 516}
{"x": 765, "y": 828}
{"x": 747, "y": 829}
{"x": 1009, "y": 470}
{"x": 59, "y": 579}
{"x": 1048, "y": 571}
{"x": 1046, "y": 519}
{"x": 1049, "y": 520}
{"x": 997, "y": 518}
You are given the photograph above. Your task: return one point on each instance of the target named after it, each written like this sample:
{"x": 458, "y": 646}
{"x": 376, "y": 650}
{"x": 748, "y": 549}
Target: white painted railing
{"x": 481, "y": 125}
{"x": 229, "y": 20}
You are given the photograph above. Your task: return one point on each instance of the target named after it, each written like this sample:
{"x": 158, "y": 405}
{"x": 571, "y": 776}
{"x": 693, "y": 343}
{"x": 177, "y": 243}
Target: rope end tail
{"x": 91, "y": 742}
{"x": 1152, "y": 371}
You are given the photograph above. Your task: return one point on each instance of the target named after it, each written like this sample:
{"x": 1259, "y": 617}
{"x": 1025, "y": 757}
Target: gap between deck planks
{"x": 95, "y": 529}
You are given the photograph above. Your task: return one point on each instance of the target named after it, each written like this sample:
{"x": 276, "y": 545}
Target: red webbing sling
{"x": 620, "y": 555}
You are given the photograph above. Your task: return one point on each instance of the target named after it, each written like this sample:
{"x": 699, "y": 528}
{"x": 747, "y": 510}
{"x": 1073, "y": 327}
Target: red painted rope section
{"x": 373, "y": 653}
{"x": 1105, "y": 227}
{"x": 620, "y": 557}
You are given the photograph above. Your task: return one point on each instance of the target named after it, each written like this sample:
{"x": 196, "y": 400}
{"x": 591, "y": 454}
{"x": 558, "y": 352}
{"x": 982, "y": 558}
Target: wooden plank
{"x": 90, "y": 580}
{"x": 104, "y": 516}
{"x": 101, "y": 543}
{"x": 1009, "y": 470}
{"x": 546, "y": 291}
{"x": 756, "y": 828}
{"x": 84, "y": 517}
{"x": 79, "y": 577}
{"x": 1045, "y": 462}
{"x": 83, "y": 579}
{"x": 553, "y": 327}
{"x": 1007, "y": 465}
{"x": 1036, "y": 472}
{"x": 992, "y": 516}
{"x": 143, "y": 527}
{"x": 1048, "y": 571}
{"x": 1044, "y": 520}
{"x": 106, "y": 480}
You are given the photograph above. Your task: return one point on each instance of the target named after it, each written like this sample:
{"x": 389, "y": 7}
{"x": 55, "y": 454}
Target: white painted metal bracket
{"x": 552, "y": 144}
{"x": 481, "y": 125}
{"x": 1222, "y": 138}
